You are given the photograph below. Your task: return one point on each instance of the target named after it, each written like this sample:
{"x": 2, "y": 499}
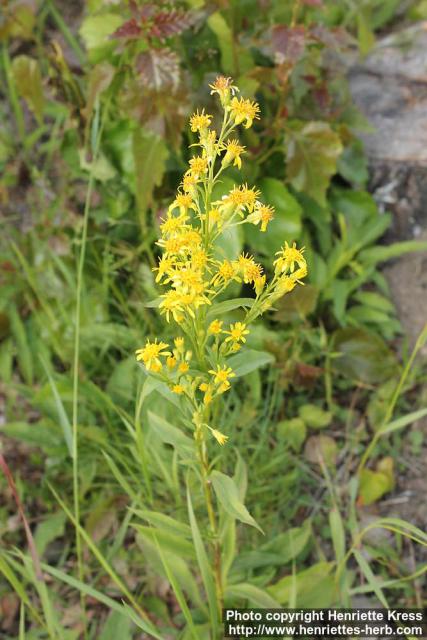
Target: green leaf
{"x": 228, "y": 495}
{"x": 62, "y": 414}
{"x": 96, "y": 29}
{"x": 110, "y": 603}
{"x": 363, "y": 356}
{"x": 165, "y": 522}
{"x": 101, "y": 167}
{"x": 297, "y": 304}
{"x": 286, "y": 224}
{"x": 353, "y": 165}
{"x": 249, "y": 360}
{"x": 40, "y": 434}
{"x": 375, "y": 300}
{"x": 219, "y": 26}
{"x": 365, "y": 34}
{"x": 118, "y": 625}
{"x": 374, "y": 484}
{"x": 24, "y": 356}
{"x": 99, "y": 80}
{"x": 229, "y": 245}
{"x": 337, "y": 533}
{"x": 229, "y": 305}
{"x": 169, "y": 542}
{"x": 256, "y": 597}
{"x": 312, "y": 151}
{"x": 174, "y": 568}
{"x": 171, "y": 435}
{"x": 150, "y": 153}
{"x": 315, "y": 587}
{"x": 293, "y": 432}
{"x": 357, "y": 206}
{"x": 204, "y": 566}
{"x": 48, "y": 530}
{"x": 314, "y": 416}
{"x": 288, "y": 545}
{"x": 28, "y": 82}
{"x": 374, "y": 255}
{"x": 372, "y": 580}
{"x": 402, "y": 422}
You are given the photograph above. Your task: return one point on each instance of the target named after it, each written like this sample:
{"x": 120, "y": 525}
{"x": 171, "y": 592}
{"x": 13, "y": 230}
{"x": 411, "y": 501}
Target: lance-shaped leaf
{"x": 28, "y": 81}
{"x": 228, "y": 495}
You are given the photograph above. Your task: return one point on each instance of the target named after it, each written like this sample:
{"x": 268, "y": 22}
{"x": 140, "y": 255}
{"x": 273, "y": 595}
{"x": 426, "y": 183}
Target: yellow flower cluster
{"x": 195, "y": 273}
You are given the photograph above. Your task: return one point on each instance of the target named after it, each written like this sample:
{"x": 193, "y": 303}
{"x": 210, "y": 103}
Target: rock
{"x": 390, "y": 89}
{"x": 407, "y": 279}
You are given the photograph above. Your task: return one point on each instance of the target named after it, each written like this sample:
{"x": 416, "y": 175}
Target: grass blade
{"x": 205, "y": 568}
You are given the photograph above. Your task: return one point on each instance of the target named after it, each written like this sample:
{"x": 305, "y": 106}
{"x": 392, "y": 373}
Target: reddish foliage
{"x": 288, "y": 43}
{"x": 159, "y": 69}
{"x": 129, "y": 29}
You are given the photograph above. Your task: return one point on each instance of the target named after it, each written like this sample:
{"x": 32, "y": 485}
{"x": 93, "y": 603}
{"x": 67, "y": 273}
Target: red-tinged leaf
{"x": 288, "y": 43}
{"x": 129, "y": 30}
{"x": 31, "y": 544}
{"x": 171, "y": 23}
{"x": 336, "y": 38}
{"x": 159, "y": 69}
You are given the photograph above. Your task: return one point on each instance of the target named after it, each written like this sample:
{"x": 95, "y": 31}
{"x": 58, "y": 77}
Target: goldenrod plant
{"x": 196, "y": 275}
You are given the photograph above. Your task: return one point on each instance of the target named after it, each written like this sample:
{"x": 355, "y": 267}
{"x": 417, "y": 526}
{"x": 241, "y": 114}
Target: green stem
{"x": 207, "y": 490}
{"x": 368, "y": 452}
{"x": 75, "y": 403}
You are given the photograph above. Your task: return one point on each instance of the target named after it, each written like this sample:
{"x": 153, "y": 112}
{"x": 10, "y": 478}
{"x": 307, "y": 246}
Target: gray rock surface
{"x": 390, "y": 89}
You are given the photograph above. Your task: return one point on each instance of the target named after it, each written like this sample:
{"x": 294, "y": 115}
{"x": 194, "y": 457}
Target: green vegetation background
{"x": 94, "y": 105}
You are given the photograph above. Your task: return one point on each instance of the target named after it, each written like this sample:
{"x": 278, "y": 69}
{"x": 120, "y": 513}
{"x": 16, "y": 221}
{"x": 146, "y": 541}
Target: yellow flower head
{"x": 237, "y": 332}
{"x": 200, "y": 121}
{"x": 198, "y": 166}
{"x": 215, "y": 217}
{"x": 215, "y": 327}
{"x": 184, "y": 201}
{"x": 259, "y": 284}
{"x": 171, "y": 305}
{"x": 199, "y": 259}
{"x": 179, "y": 343}
{"x": 288, "y": 257}
{"x": 183, "y": 367}
{"x": 300, "y": 273}
{"x": 209, "y": 144}
{"x": 203, "y": 386}
{"x": 221, "y": 377}
{"x": 241, "y": 197}
{"x": 250, "y": 270}
{"x": 171, "y": 362}
{"x": 178, "y": 388}
{"x": 224, "y": 88}
{"x": 166, "y": 265}
{"x": 219, "y": 437}
{"x": 151, "y": 353}
{"x": 285, "y": 285}
{"x": 226, "y": 271}
{"x": 189, "y": 183}
{"x": 244, "y": 111}
{"x": 173, "y": 223}
{"x": 263, "y": 214}
{"x": 233, "y": 152}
